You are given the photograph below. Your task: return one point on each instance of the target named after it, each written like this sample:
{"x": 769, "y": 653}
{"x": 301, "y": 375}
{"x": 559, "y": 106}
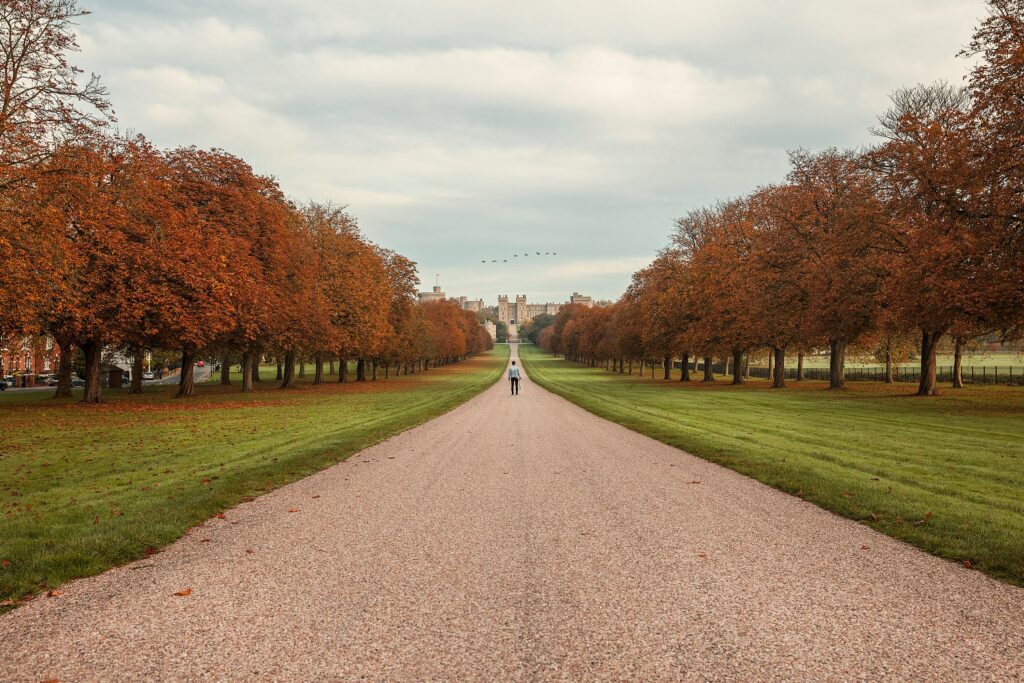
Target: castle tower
{"x": 503, "y": 312}
{"x": 520, "y": 313}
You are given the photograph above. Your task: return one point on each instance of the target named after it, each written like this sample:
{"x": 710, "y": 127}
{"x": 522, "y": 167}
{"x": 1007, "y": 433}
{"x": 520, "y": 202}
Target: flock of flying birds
{"x": 546, "y": 253}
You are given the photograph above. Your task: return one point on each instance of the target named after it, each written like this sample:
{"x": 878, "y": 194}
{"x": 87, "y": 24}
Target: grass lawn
{"x": 978, "y": 360}
{"x": 83, "y": 488}
{"x": 945, "y": 474}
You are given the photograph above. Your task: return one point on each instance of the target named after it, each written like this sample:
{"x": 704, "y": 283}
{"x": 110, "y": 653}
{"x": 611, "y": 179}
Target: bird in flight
{"x": 525, "y": 255}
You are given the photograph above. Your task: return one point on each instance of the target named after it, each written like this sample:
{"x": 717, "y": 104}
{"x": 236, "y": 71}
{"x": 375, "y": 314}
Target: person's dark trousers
{"x": 515, "y": 385}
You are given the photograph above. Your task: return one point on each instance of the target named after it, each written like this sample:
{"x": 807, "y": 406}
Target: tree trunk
{"x": 247, "y": 358}
{"x": 631, "y": 366}
{"x": 668, "y": 367}
{"x": 361, "y": 370}
{"x": 280, "y": 371}
{"x": 342, "y": 370}
{"x": 225, "y": 370}
{"x": 888, "y": 367}
{"x": 387, "y": 371}
{"x": 958, "y": 357}
{"x": 256, "y": 358}
{"x": 929, "y": 343}
{"x": 373, "y": 371}
{"x": 318, "y": 364}
{"x": 288, "y": 381}
{"x": 800, "y": 367}
{"x": 836, "y": 363}
{"x": 709, "y": 371}
{"x": 737, "y": 366}
{"x": 65, "y": 368}
{"x": 780, "y": 368}
{"x": 93, "y": 359}
{"x": 302, "y": 368}
{"x": 771, "y": 365}
{"x": 138, "y": 367}
{"x": 685, "y": 371}
{"x": 330, "y": 367}
{"x": 186, "y": 380}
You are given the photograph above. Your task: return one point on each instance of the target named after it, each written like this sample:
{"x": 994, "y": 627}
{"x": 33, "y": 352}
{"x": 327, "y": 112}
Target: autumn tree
{"x": 842, "y": 233}
{"x": 44, "y": 99}
{"x": 941, "y": 275}
{"x": 996, "y": 85}
{"x": 780, "y": 299}
{"x": 44, "y": 102}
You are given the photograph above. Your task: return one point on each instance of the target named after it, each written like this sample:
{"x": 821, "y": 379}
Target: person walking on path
{"x": 513, "y": 378}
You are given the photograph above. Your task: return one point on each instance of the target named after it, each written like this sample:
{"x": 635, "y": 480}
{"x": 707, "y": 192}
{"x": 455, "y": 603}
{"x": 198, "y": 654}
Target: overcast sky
{"x": 466, "y": 130}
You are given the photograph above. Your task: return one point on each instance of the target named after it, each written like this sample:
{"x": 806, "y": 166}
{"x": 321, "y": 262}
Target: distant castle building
{"x": 511, "y": 313}
{"x": 519, "y": 311}
{"x": 435, "y": 295}
{"x": 578, "y": 298}
{"x": 475, "y": 305}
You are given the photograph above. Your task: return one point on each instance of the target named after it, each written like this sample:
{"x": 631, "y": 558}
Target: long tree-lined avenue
{"x": 519, "y": 538}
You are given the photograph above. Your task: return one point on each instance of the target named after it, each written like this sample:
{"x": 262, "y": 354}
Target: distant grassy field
{"x": 943, "y": 473}
{"x": 1002, "y": 359}
{"x": 83, "y": 488}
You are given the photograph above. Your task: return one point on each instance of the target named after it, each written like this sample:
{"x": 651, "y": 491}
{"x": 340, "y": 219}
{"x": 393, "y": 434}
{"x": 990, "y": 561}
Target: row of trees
{"x": 920, "y": 236}
{"x": 107, "y": 242}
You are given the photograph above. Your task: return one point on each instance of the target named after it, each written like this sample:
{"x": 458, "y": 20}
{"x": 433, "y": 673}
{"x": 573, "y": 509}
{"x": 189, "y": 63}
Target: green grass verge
{"x": 945, "y": 474}
{"x": 84, "y": 488}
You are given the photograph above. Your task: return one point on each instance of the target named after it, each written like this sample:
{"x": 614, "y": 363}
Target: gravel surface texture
{"x": 521, "y": 538}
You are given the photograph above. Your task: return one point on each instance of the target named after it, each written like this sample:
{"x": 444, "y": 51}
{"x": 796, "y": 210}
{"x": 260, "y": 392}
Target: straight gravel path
{"x": 521, "y": 538}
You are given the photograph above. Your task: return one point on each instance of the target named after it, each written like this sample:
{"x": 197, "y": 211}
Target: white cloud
{"x": 458, "y": 130}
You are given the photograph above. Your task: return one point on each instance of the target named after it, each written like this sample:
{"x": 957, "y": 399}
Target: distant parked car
{"x": 149, "y": 374}
{"x": 200, "y": 364}
{"x": 9, "y": 381}
{"x": 77, "y": 382}
{"x": 51, "y": 380}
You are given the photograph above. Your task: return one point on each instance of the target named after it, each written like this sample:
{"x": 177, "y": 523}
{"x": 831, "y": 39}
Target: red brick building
{"x": 29, "y": 355}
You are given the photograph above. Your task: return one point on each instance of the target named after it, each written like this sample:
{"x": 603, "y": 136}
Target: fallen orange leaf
{"x": 184, "y": 593}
